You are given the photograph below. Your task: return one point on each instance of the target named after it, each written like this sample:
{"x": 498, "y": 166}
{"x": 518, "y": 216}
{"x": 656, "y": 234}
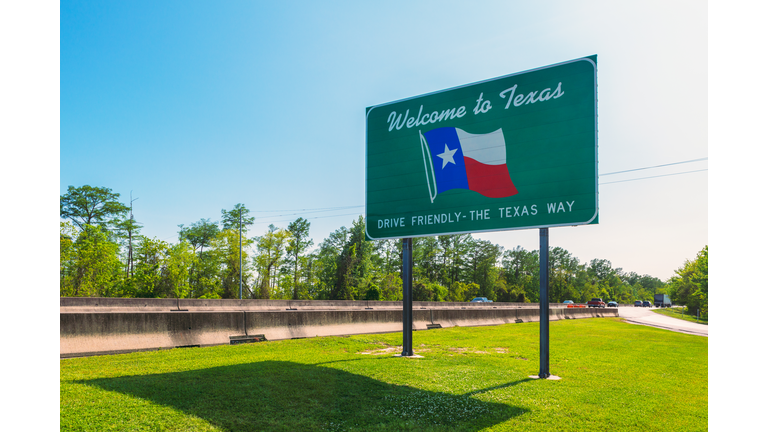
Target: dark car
{"x": 638, "y": 303}
{"x": 613, "y": 304}
{"x": 646, "y": 303}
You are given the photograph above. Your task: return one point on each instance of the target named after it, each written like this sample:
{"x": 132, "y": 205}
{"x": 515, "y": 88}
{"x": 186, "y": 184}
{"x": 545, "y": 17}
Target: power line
{"x": 307, "y": 210}
{"x": 663, "y": 175}
{"x": 656, "y": 166}
{"x": 316, "y": 217}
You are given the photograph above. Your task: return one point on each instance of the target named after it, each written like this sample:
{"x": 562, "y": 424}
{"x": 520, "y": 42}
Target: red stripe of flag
{"x": 492, "y": 181}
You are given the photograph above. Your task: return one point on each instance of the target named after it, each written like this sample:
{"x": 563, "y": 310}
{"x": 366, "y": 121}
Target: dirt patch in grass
{"x": 380, "y": 351}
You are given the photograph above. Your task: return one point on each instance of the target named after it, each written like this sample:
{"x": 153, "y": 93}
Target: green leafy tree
{"x": 472, "y": 291}
{"x": 600, "y": 269}
{"x": 690, "y": 285}
{"x": 563, "y": 269}
{"x": 604, "y": 278}
{"x": 481, "y": 266}
{"x": 67, "y": 257}
{"x": 422, "y": 292}
{"x": 179, "y": 259}
{"x": 147, "y": 279}
{"x": 387, "y": 256}
{"x": 207, "y": 272}
{"x": 353, "y": 270}
{"x": 455, "y": 249}
{"x": 647, "y": 285}
{"x": 269, "y": 258}
{"x": 426, "y": 258}
{"x": 237, "y": 218}
{"x": 95, "y": 267}
{"x": 88, "y": 205}
{"x": 128, "y": 230}
{"x": 227, "y": 245}
{"x": 200, "y": 234}
{"x": 521, "y": 271}
{"x": 457, "y": 292}
{"x": 298, "y": 243}
{"x": 391, "y": 286}
{"x": 373, "y": 293}
{"x": 506, "y": 292}
{"x": 327, "y": 263}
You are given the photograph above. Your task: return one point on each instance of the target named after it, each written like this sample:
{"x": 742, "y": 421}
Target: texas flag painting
{"x": 461, "y": 160}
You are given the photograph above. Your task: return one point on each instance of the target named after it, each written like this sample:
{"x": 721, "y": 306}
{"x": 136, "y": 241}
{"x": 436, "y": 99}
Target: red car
{"x": 596, "y": 302}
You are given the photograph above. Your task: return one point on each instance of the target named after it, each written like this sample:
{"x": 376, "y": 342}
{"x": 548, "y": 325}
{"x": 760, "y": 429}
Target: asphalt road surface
{"x": 644, "y": 316}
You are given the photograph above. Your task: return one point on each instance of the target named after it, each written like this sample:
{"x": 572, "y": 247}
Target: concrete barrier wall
{"x": 112, "y": 331}
{"x": 92, "y": 304}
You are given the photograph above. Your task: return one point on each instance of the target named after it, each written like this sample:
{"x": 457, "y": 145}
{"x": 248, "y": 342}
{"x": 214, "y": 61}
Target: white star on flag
{"x": 447, "y": 156}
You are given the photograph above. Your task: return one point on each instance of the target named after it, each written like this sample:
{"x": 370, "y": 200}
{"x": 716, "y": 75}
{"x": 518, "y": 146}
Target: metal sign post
{"x": 544, "y": 303}
{"x": 407, "y": 297}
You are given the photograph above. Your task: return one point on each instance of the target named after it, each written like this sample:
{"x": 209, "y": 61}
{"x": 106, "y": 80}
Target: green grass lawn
{"x": 615, "y": 377}
{"x": 675, "y": 313}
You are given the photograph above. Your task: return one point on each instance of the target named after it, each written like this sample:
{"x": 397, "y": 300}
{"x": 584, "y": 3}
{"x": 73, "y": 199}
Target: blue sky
{"x": 195, "y": 106}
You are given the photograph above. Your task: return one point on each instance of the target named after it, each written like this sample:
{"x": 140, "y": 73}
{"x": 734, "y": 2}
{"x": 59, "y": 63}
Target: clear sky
{"x": 195, "y": 106}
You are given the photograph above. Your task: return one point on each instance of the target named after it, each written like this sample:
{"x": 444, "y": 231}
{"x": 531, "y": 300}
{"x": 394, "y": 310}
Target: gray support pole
{"x": 240, "y": 237}
{"x": 407, "y": 297}
{"x": 544, "y": 303}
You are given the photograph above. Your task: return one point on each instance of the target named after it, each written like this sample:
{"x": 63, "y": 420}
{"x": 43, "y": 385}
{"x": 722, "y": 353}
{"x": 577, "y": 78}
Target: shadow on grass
{"x": 498, "y": 387}
{"x": 279, "y": 395}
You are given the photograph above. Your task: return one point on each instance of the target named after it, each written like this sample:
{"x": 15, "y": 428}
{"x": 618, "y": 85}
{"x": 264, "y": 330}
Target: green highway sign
{"x": 514, "y": 152}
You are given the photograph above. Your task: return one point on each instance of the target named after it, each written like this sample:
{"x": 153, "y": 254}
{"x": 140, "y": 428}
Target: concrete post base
{"x": 551, "y": 377}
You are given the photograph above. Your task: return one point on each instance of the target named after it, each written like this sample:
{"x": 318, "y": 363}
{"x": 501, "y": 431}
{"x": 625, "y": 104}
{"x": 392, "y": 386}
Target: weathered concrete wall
{"x": 124, "y": 329}
{"x": 104, "y": 332}
{"x": 92, "y": 304}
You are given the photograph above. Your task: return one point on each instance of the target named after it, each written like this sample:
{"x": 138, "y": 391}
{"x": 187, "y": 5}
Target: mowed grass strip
{"x": 615, "y": 376}
{"x": 676, "y": 313}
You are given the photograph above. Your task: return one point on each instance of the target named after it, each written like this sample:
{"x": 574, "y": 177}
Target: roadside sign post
{"x": 513, "y": 152}
{"x": 407, "y": 297}
{"x": 543, "y": 303}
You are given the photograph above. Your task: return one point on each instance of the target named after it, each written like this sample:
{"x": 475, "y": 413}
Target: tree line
{"x": 103, "y": 254}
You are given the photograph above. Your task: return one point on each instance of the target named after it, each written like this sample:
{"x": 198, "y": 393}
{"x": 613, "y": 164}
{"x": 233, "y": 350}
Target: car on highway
{"x": 638, "y": 303}
{"x": 567, "y": 302}
{"x": 480, "y": 300}
{"x": 613, "y": 304}
{"x": 646, "y": 303}
{"x": 596, "y": 303}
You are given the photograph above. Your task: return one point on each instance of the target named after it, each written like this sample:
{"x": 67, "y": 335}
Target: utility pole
{"x": 129, "y": 270}
{"x": 240, "y": 236}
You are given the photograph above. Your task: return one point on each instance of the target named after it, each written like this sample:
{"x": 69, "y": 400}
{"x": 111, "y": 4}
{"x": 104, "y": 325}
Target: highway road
{"x": 644, "y": 316}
